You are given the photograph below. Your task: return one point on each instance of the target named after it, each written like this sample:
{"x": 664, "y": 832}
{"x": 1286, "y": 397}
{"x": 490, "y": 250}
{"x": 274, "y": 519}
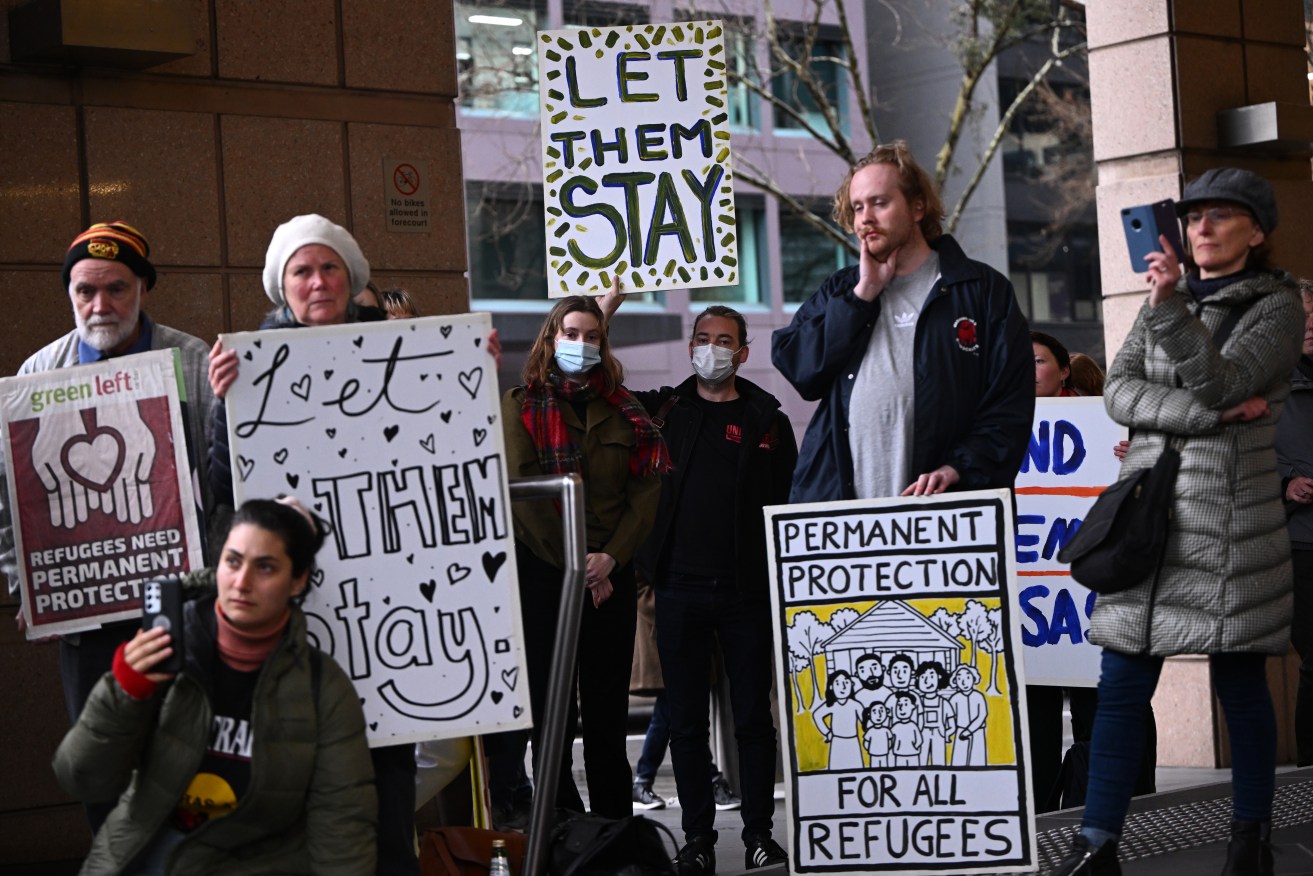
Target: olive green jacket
{"x": 619, "y": 510}
{"x": 310, "y": 806}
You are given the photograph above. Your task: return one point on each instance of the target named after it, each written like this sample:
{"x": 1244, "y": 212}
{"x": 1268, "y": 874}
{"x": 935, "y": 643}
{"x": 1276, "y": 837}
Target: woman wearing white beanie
{"x": 312, "y": 271}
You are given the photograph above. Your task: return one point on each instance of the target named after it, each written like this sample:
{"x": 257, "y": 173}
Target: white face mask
{"x": 714, "y": 364}
{"x": 577, "y": 357}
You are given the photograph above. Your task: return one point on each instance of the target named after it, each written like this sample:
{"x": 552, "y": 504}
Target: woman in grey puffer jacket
{"x": 1224, "y": 585}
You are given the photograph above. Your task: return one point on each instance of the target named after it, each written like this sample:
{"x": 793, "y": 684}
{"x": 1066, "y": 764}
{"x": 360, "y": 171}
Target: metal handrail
{"x": 569, "y": 490}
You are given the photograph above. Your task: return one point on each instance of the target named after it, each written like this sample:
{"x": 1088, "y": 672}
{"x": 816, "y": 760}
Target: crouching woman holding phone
{"x": 253, "y": 758}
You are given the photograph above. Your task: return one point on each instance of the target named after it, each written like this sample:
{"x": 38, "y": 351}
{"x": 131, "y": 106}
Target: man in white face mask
{"x": 734, "y": 453}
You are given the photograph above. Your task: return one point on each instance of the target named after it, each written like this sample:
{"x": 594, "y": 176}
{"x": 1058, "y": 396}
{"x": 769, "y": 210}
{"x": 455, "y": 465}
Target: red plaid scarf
{"x": 557, "y": 453}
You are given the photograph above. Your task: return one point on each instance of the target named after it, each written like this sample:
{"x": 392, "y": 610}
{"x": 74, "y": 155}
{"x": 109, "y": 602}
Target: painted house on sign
{"x": 889, "y": 628}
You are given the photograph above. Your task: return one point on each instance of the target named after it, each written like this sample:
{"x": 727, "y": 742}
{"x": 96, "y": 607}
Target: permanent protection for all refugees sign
{"x": 1068, "y": 463}
{"x": 390, "y": 432}
{"x": 636, "y": 169}
{"x": 903, "y": 700}
{"x": 99, "y": 488}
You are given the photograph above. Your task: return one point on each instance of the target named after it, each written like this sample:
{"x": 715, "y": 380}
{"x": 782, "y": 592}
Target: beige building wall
{"x": 1160, "y": 72}
{"x": 280, "y": 108}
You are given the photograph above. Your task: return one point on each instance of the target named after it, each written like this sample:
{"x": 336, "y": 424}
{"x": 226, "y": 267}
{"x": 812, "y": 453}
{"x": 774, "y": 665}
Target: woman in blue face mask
{"x": 573, "y": 415}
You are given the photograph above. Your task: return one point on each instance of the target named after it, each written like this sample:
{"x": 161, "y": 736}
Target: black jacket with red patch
{"x": 974, "y": 377}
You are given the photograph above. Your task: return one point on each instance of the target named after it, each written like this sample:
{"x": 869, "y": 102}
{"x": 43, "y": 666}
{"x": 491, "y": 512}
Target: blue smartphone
{"x": 1144, "y": 224}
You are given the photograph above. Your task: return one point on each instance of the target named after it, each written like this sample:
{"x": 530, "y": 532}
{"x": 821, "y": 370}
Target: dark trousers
{"x": 601, "y": 682}
{"x": 83, "y": 661}
{"x": 1044, "y": 718}
{"x": 394, "y": 780}
{"x": 1301, "y": 635}
{"x": 655, "y": 742}
{"x": 1127, "y": 684}
{"x": 691, "y": 614}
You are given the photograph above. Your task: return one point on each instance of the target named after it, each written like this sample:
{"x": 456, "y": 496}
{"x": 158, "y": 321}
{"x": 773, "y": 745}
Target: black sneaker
{"x": 697, "y": 858}
{"x": 763, "y": 852}
{"x": 1083, "y": 860}
{"x": 725, "y": 798}
{"x": 645, "y": 799}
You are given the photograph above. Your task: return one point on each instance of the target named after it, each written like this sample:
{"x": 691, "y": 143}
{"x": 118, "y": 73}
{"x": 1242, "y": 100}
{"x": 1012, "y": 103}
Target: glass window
{"x": 591, "y": 13}
{"x": 739, "y": 42}
{"x": 807, "y": 256}
{"x": 1055, "y": 274}
{"x": 497, "y": 57}
{"x": 751, "y": 288}
{"x": 825, "y": 58}
{"x": 507, "y": 242}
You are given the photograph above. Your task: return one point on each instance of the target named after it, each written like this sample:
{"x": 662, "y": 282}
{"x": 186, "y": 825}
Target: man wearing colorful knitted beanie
{"x": 107, "y": 275}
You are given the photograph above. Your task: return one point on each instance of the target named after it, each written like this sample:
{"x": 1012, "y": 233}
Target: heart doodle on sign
{"x": 410, "y": 558}
{"x": 342, "y": 453}
{"x": 373, "y": 725}
{"x": 316, "y": 578}
{"x": 496, "y": 696}
{"x": 387, "y": 600}
{"x": 244, "y": 467}
{"x": 358, "y": 341}
{"x": 390, "y": 432}
{"x": 471, "y": 381}
{"x": 446, "y": 331}
{"x": 293, "y": 480}
{"x": 258, "y": 343}
{"x": 281, "y": 456}
{"x": 249, "y": 356}
{"x": 456, "y": 573}
{"x": 492, "y": 418}
{"x": 331, "y": 433}
{"x": 478, "y": 342}
{"x": 479, "y": 436}
{"x": 427, "y": 588}
{"x": 423, "y": 377}
{"x": 95, "y": 459}
{"x": 328, "y": 373}
{"x": 301, "y": 389}
{"x": 510, "y": 676}
{"x": 517, "y": 711}
{"x": 492, "y": 562}
{"x": 428, "y": 443}
{"x": 446, "y": 416}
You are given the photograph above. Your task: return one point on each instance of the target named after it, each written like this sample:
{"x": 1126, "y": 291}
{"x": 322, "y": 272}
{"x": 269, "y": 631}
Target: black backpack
{"x": 588, "y": 845}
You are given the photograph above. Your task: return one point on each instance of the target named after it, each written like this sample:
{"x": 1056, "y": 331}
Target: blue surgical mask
{"x": 576, "y": 357}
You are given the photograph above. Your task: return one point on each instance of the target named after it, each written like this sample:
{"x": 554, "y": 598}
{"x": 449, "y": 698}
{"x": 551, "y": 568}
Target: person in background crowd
{"x": 1086, "y": 375}
{"x": 1294, "y": 445}
{"x": 917, "y": 354}
{"x": 107, "y": 275}
{"x": 734, "y": 454}
{"x": 573, "y": 415}
{"x": 253, "y": 758}
{"x": 398, "y": 304}
{"x": 1053, "y": 369}
{"x": 1224, "y": 584}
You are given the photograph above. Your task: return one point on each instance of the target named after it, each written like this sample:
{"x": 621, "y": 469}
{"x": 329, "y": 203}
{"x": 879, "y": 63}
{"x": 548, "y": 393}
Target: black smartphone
{"x": 162, "y": 607}
{"x": 1144, "y": 224}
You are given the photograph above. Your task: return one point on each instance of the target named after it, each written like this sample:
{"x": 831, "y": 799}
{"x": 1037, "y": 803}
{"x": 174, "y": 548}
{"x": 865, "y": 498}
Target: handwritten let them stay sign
{"x": 1068, "y": 463}
{"x": 389, "y": 432}
{"x": 100, "y": 490}
{"x": 902, "y": 695}
{"x": 636, "y": 167}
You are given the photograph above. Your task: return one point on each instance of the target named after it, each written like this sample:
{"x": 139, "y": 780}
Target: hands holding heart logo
{"x": 105, "y": 468}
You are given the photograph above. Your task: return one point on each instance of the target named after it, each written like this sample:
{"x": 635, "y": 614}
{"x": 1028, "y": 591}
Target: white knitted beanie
{"x": 302, "y": 231}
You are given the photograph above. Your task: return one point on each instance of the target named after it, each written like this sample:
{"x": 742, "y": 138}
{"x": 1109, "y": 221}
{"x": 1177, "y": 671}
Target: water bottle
{"x": 500, "y": 865}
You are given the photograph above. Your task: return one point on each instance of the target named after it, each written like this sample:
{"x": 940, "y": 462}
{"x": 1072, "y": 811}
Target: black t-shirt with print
{"x": 225, "y": 770}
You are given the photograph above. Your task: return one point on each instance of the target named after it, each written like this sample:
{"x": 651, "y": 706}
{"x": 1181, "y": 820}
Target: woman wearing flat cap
{"x": 1205, "y": 369}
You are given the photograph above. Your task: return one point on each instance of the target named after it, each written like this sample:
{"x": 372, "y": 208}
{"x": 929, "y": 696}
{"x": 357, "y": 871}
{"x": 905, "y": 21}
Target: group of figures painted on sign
{"x": 926, "y": 715}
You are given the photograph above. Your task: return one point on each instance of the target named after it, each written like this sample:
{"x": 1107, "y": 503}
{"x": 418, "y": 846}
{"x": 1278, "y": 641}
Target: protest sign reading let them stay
{"x": 99, "y": 488}
{"x": 391, "y": 432}
{"x": 1068, "y": 463}
{"x": 902, "y": 698}
{"x": 636, "y": 168}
